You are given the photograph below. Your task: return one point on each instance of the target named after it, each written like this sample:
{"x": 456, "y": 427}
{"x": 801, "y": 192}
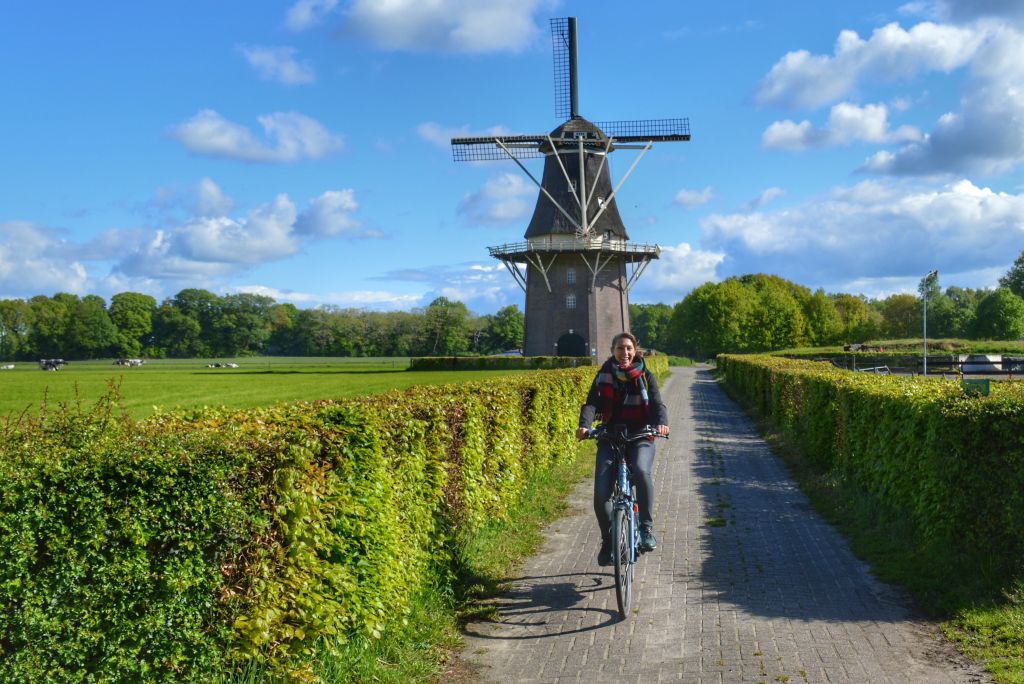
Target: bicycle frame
{"x": 622, "y": 499}
{"x": 624, "y": 513}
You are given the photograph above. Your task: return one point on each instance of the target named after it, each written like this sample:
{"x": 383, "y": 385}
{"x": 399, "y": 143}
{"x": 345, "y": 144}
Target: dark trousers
{"x": 641, "y": 457}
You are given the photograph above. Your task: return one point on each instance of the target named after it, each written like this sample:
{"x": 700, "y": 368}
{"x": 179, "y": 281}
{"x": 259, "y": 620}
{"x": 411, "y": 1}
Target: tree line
{"x": 197, "y": 323}
{"x": 749, "y": 313}
{"x": 757, "y": 313}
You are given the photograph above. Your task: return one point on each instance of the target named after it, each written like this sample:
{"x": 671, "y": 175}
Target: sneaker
{"x": 604, "y": 556}
{"x": 647, "y": 540}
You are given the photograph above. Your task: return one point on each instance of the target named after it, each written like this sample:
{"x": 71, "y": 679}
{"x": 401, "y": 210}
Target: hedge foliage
{"x": 657, "y": 363}
{"x": 950, "y": 463}
{"x": 189, "y": 544}
{"x": 441, "y": 363}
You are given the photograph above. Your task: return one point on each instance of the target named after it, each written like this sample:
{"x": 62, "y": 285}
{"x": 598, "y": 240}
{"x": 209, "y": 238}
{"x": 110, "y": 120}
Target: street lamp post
{"x": 924, "y": 332}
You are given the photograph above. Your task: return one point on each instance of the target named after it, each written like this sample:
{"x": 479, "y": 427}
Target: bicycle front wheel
{"x": 621, "y": 548}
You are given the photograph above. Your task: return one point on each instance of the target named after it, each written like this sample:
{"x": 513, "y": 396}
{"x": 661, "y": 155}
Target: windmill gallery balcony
{"x": 553, "y": 244}
{"x": 543, "y": 252}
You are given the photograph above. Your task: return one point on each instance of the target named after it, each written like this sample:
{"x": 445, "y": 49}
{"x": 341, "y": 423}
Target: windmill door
{"x": 572, "y": 344}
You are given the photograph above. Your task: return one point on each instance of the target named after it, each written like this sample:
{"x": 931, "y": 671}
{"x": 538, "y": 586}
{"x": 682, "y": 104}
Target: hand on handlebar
{"x": 649, "y": 431}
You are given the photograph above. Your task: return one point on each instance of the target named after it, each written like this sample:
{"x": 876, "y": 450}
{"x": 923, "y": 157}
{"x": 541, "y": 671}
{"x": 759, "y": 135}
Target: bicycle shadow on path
{"x": 547, "y": 606}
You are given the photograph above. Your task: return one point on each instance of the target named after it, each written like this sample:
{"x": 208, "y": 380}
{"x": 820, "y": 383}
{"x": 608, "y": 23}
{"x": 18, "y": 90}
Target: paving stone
{"x": 748, "y": 584}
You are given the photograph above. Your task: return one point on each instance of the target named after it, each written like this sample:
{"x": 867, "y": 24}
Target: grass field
{"x": 170, "y": 383}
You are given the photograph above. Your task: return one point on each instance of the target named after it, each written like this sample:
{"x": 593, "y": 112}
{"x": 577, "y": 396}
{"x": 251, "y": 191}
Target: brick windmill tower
{"x": 576, "y": 264}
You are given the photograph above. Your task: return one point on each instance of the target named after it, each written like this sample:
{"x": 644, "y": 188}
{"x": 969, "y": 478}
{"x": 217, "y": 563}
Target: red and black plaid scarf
{"x": 623, "y": 392}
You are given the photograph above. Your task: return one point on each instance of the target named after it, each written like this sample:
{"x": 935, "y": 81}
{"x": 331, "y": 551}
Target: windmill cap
{"x": 569, "y": 132}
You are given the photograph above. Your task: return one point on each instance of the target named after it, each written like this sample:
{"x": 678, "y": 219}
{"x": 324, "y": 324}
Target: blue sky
{"x": 300, "y": 149}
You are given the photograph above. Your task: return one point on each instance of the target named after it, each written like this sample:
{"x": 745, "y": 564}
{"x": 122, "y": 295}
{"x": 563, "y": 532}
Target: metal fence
{"x": 960, "y": 365}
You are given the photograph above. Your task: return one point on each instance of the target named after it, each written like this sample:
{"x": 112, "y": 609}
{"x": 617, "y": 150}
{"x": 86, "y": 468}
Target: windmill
{"x": 575, "y": 264}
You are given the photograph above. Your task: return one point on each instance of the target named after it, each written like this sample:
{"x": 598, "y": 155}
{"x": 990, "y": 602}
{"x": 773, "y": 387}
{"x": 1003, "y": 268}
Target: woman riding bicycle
{"x": 624, "y": 393}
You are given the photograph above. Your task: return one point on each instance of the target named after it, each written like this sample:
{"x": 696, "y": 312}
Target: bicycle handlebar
{"x": 603, "y": 433}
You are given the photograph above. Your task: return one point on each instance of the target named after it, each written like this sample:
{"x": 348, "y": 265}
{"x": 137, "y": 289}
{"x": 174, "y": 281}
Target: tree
{"x": 1000, "y": 316}
{"x": 283, "y": 340}
{"x": 177, "y": 333}
{"x": 1014, "y": 278}
{"x": 240, "y": 324}
{"x": 962, "y": 312}
{"x": 902, "y": 316}
{"x": 712, "y": 319}
{"x": 445, "y": 328}
{"x": 777, "y": 321}
{"x": 824, "y": 325}
{"x": 860, "y": 321}
{"x": 132, "y": 315}
{"x": 16, "y": 320}
{"x": 90, "y": 334}
{"x": 203, "y": 307}
{"x": 929, "y": 288}
{"x": 52, "y": 316}
{"x": 650, "y": 323}
{"x": 504, "y": 330}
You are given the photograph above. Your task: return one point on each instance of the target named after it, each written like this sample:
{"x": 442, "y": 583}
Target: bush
{"x": 193, "y": 543}
{"x": 118, "y": 542}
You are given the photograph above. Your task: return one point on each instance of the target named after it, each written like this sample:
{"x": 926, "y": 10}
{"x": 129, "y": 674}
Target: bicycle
{"x": 625, "y": 526}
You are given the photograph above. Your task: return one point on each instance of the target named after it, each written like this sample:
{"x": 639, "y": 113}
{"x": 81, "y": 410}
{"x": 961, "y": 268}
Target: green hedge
{"x": 658, "y": 363}
{"x": 457, "y": 363}
{"x": 190, "y": 544}
{"x": 926, "y": 452}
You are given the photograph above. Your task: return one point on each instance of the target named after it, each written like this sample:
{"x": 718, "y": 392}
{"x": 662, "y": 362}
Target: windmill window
{"x": 570, "y": 301}
{"x": 570, "y": 275}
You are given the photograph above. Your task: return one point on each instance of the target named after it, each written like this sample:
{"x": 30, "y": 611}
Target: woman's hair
{"x": 631, "y": 338}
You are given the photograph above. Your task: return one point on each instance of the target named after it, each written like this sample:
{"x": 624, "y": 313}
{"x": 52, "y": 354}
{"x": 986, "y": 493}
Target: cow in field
{"x": 7, "y": 366}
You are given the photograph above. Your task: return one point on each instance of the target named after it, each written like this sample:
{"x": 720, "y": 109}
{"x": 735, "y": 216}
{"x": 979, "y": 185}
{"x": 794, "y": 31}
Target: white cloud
{"x": 847, "y": 124}
{"x": 803, "y": 80}
{"x": 676, "y": 272}
{"x": 481, "y": 287}
{"x": 210, "y": 200}
{"x": 266, "y": 235}
{"x": 977, "y": 138}
{"x": 201, "y": 251}
{"x": 982, "y": 137}
{"x": 872, "y": 231}
{"x": 767, "y": 195}
{"x": 693, "y": 198}
{"x": 306, "y": 14}
{"x": 445, "y": 25}
{"x": 502, "y": 199}
{"x": 33, "y": 260}
{"x": 330, "y": 215}
{"x": 379, "y": 300}
{"x": 290, "y": 137}
{"x": 278, "y": 64}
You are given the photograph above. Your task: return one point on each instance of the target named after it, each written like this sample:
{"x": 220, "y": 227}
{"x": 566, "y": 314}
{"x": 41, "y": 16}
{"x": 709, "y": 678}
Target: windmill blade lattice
{"x": 487, "y": 148}
{"x": 562, "y": 46}
{"x": 644, "y": 130}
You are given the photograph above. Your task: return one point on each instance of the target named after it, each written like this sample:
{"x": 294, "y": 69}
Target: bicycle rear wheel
{"x": 621, "y": 542}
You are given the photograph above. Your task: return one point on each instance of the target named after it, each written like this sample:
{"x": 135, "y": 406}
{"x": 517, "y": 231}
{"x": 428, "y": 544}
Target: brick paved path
{"x": 748, "y": 584}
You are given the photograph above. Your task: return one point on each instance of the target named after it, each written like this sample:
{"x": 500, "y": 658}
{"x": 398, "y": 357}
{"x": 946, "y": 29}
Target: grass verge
{"x": 984, "y": 620}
